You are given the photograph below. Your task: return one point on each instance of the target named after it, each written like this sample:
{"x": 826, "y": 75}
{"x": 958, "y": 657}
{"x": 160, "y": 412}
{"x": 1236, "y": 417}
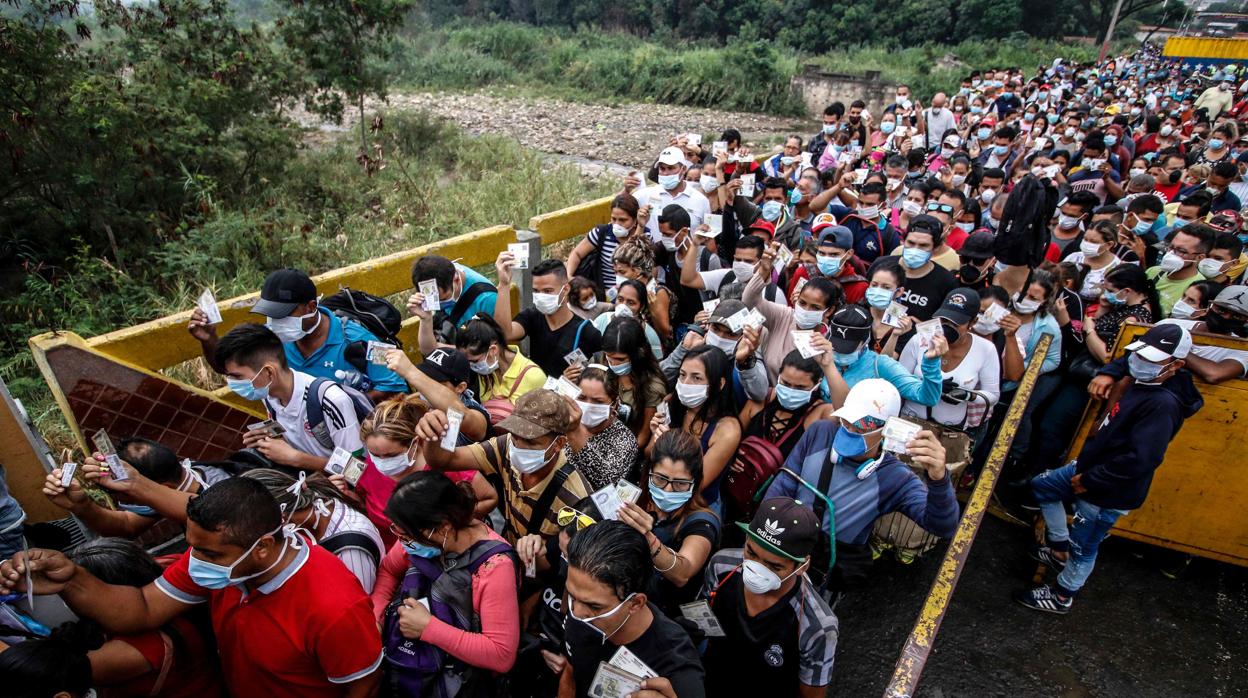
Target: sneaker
{"x": 904, "y": 556}
{"x": 1044, "y": 555}
{"x": 878, "y": 547}
{"x": 1043, "y": 598}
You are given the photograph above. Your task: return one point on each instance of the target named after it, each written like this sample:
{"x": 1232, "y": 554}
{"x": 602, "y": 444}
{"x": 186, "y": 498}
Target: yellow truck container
{"x": 1207, "y": 51}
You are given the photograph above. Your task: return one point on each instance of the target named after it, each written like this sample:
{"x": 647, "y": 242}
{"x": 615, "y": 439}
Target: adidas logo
{"x": 772, "y": 527}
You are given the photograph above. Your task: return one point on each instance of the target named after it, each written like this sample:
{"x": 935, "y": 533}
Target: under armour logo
{"x": 772, "y": 527}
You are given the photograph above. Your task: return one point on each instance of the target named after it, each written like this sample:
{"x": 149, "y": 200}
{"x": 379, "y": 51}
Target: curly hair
{"x": 637, "y": 252}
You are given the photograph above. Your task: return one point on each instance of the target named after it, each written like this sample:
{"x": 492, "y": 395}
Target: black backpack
{"x": 377, "y": 315}
{"x": 446, "y": 326}
{"x": 590, "y": 266}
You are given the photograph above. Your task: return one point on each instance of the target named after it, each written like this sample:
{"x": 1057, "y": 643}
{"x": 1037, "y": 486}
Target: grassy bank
{"x": 436, "y": 183}
{"x": 754, "y": 76}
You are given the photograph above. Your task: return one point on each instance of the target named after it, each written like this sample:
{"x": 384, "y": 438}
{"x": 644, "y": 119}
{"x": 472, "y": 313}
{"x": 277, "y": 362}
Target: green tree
{"x": 341, "y": 44}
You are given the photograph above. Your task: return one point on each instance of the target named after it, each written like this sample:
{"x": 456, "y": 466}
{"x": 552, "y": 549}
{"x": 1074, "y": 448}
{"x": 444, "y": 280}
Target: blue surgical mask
{"x": 1143, "y": 370}
{"x": 887, "y": 127}
{"x": 415, "y": 549}
{"x": 983, "y": 133}
{"x": 1000, "y": 149}
{"x": 792, "y": 398}
{"x": 913, "y": 258}
{"x": 829, "y": 129}
{"x": 622, "y": 369}
{"x": 1052, "y": 118}
{"x": 1112, "y": 298}
{"x": 846, "y": 359}
{"x": 1142, "y": 227}
{"x": 668, "y": 501}
{"x": 879, "y": 297}
{"x": 246, "y": 389}
{"x": 772, "y": 210}
{"x": 212, "y": 576}
{"x": 848, "y": 444}
{"x": 669, "y": 182}
{"x": 1216, "y": 143}
{"x": 978, "y": 110}
{"x": 828, "y": 266}
{"x": 1111, "y": 140}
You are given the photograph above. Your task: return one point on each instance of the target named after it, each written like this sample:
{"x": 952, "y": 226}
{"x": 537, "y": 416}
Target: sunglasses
{"x": 567, "y": 515}
{"x": 943, "y": 208}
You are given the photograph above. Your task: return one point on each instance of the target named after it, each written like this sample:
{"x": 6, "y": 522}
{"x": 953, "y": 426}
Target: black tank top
{"x": 761, "y": 426}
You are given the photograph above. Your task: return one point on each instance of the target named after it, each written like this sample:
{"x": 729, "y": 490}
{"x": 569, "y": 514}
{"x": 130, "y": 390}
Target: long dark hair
{"x": 427, "y": 499}
{"x": 677, "y": 445}
{"x": 640, "y": 289}
{"x": 476, "y": 336}
{"x": 720, "y": 402}
{"x": 1132, "y": 276}
{"x": 625, "y": 336}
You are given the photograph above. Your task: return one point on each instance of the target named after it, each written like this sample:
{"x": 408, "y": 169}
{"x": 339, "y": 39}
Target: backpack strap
{"x": 825, "y": 481}
{"x": 315, "y": 400}
{"x": 544, "y": 502}
{"x": 519, "y": 378}
{"x": 352, "y": 539}
{"x": 577, "y": 342}
{"x": 467, "y": 298}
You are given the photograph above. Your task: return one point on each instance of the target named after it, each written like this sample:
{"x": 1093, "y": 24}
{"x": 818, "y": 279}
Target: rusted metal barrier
{"x": 919, "y": 644}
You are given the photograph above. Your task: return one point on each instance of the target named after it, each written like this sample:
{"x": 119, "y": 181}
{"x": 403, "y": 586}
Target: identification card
{"x": 714, "y": 221}
{"x": 530, "y": 569}
{"x": 563, "y": 386}
{"x": 520, "y": 252}
{"x": 894, "y": 313}
{"x": 802, "y": 341}
{"x": 454, "y": 419}
{"x": 747, "y": 186}
{"x": 608, "y": 502}
{"x": 652, "y": 288}
{"x": 429, "y": 289}
{"x": 845, "y": 159}
{"x": 754, "y": 319}
{"x": 576, "y": 357}
{"x": 664, "y": 412}
{"x": 701, "y": 614}
{"x": 270, "y": 428}
{"x": 208, "y": 306}
{"x": 806, "y": 159}
{"x": 610, "y": 682}
{"x": 783, "y": 256}
{"x": 926, "y": 331}
{"x": 694, "y": 139}
{"x": 344, "y": 464}
{"x": 719, "y": 149}
{"x": 995, "y": 312}
{"x": 709, "y": 306}
{"x": 377, "y": 352}
{"x": 104, "y": 445}
{"x": 736, "y": 322}
{"x": 627, "y": 491}
{"x": 625, "y": 659}
{"x": 67, "y": 473}
{"x": 860, "y": 175}
{"x": 899, "y": 432}
{"x": 801, "y": 284}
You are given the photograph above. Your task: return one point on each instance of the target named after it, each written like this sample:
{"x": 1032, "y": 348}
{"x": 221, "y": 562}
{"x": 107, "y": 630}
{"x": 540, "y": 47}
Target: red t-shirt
{"x": 192, "y": 670}
{"x": 374, "y": 489}
{"x": 854, "y": 290}
{"x": 304, "y": 633}
{"x": 956, "y": 237}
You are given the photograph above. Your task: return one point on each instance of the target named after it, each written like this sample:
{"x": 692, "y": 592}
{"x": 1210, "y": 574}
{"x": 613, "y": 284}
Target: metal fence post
{"x": 524, "y": 281}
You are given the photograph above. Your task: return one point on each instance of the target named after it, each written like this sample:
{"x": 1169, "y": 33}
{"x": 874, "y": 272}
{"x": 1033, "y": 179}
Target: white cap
{"x": 672, "y": 155}
{"x": 874, "y": 397}
{"x": 1163, "y": 341}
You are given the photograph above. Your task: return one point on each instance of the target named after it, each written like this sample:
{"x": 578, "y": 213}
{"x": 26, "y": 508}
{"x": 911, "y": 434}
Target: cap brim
{"x": 671, "y": 161}
{"x": 845, "y": 346}
{"x": 514, "y": 424}
{"x": 1148, "y": 351}
{"x": 273, "y": 309}
{"x": 767, "y": 546}
{"x": 956, "y": 317}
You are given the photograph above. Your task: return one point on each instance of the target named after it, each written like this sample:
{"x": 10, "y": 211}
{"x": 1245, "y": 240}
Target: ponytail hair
{"x": 1132, "y": 276}
{"x": 290, "y": 498}
{"x": 427, "y": 499}
{"x": 476, "y": 336}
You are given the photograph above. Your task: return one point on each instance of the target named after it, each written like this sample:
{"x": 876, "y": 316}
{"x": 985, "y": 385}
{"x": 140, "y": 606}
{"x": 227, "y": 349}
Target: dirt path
{"x": 628, "y": 134}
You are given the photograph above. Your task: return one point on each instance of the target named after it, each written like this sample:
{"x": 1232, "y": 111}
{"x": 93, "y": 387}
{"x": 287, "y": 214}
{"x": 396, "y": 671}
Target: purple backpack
{"x": 415, "y": 668}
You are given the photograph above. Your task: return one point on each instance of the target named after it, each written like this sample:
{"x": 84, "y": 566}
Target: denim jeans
{"x": 1089, "y": 526}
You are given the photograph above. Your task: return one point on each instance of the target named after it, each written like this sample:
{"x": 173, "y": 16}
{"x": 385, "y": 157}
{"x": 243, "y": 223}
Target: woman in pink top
{"x": 450, "y": 587}
{"x": 388, "y": 435}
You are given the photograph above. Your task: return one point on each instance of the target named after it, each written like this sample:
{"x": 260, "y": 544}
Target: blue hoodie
{"x": 1117, "y": 464}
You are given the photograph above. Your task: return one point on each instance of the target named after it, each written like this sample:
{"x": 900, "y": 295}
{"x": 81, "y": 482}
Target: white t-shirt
{"x": 980, "y": 370}
{"x": 344, "y": 428}
{"x": 1095, "y": 279}
{"x": 1220, "y": 354}
{"x": 343, "y": 518}
{"x": 693, "y": 201}
{"x": 656, "y": 346}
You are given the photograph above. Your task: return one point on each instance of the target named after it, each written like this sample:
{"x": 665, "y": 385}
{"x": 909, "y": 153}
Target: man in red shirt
{"x": 835, "y": 260}
{"x": 289, "y": 618}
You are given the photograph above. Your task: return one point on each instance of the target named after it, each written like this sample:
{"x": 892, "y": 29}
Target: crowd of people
{"x": 727, "y": 388}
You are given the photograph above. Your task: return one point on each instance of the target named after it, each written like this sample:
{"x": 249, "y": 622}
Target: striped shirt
{"x": 606, "y": 254}
{"x": 344, "y": 519}
{"x": 344, "y": 428}
{"x": 517, "y": 503}
{"x": 817, "y": 628}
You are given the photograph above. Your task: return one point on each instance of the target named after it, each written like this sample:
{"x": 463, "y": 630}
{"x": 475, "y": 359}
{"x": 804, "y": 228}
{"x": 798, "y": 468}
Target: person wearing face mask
{"x": 1096, "y": 170}
{"x": 1217, "y": 149}
{"x": 785, "y": 164}
{"x": 640, "y": 384}
{"x": 500, "y": 373}
{"x": 632, "y": 301}
{"x": 586, "y": 299}
{"x": 468, "y": 626}
{"x": 1094, "y": 259}
{"x": 913, "y": 205}
{"x": 776, "y": 208}
{"x": 288, "y": 616}
{"x": 608, "y": 608}
{"x": 315, "y": 341}
{"x": 745, "y": 258}
{"x": 317, "y": 415}
{"x": 873, "y": 234}
{"x": 843, "y": 458}
{"x": 551, "y": 327}
{"x": 389, "y": 435}
{"x": 814, "y": 304}
{"x": 849, "y": 333}
{"x": 1072, "y": 217}
{"x": 601, "y": 447}
{"x": 158, "y": 487}
{"x": 1217, "y": 185}
{"x": 1113, "y": 471}
{"x": 748, "y": 377}
{"x": 1178, "y": 268}
{"x": 671, "y": 189}
{"x": 829, "y": 127}
{"x": 926, "y": 283}
{"x": 884, "y": 278}
{"x": 1216, "y": 99}
{"x": 316, "y": 508}
{"x": 462, "y": 293}
{"x": 948, "y": 209}
{"x": 665, "y": 306}
{"x": 1001, "y": 153}
{"x": 529, "y": 460}
{"x": 970, "y": 364}
{"x": 779, "y": 634}
{"x": 834, "y": 259}
{"x": 599, "y": 244}
{"x": 976, "y": 261}
{"x": 1227, "y": 315}
{"x": 679, "y": 528}
{"x": 1225, "y": 261}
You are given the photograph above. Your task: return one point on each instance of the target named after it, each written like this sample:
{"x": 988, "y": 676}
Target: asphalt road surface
{"x": 1132, "y": 631}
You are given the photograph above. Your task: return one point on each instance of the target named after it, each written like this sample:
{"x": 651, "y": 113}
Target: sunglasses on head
{"x": 567, "y": 515}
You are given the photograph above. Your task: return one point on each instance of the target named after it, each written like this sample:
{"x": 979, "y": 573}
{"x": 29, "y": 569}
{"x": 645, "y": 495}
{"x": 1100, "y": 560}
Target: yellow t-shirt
{"x": 534, "y": 378}
{"x": 948, "y": 259}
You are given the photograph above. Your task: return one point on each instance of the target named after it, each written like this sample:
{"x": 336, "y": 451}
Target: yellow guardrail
{"x": 1197, "y": 47}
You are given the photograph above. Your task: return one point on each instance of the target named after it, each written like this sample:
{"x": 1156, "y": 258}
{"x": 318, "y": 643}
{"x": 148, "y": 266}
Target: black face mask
{"x": 1220, "y": 325}
{"x": 969, "y": 273}
{"x": 952, "y": 334}
{"x": 1175, "y": 175}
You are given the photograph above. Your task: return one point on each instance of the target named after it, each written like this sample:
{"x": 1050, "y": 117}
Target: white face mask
{"x": 588, "y": 620}
{"x": 988, "y": 195}
{"x": 692, "y": 396}
{"x": 1067, "y": 222}
{"x": 911, "y": 208}
{"x": 807, "y": 319}
{"x": 1089, "y": 248}
{"x": 290, "y": 329}
{"x": 984, "y": 327}
{"x": 592, "y": 415}
{"x": 618, "y": 230}
{"x": 547, "y": 303}
{"x": 669, "y": 244}
{"x": 1209, "y": 267}
{"x": 728, "y": 346}
{"x": 622, "y": 310}
{"x": 743, "y": 270}
{"x": 589, "y": 304}
{"x": 1183, "y": 310}
{"x": 958, "y": 180}
{"x": 1171, "y": 262}
{"x": 391, "y": 465}
{"x": 760, "y": 580}
{"x": 709, "y": 183}
{"x": 526, "y": 460}
{"x": 1027, "y": 306}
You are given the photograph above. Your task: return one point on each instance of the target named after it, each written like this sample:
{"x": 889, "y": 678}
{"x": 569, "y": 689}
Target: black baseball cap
{"x": 283, "y": 290}
{"x": 675, "y": 216}
{"x": 446, "y": 366}
{"x": 926, "y": 224}
{"x": 960, "y": 306}
{"x": 978, "y": 245}
{"x": 851, "y": 326}
{"x": 785, "y": 527}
